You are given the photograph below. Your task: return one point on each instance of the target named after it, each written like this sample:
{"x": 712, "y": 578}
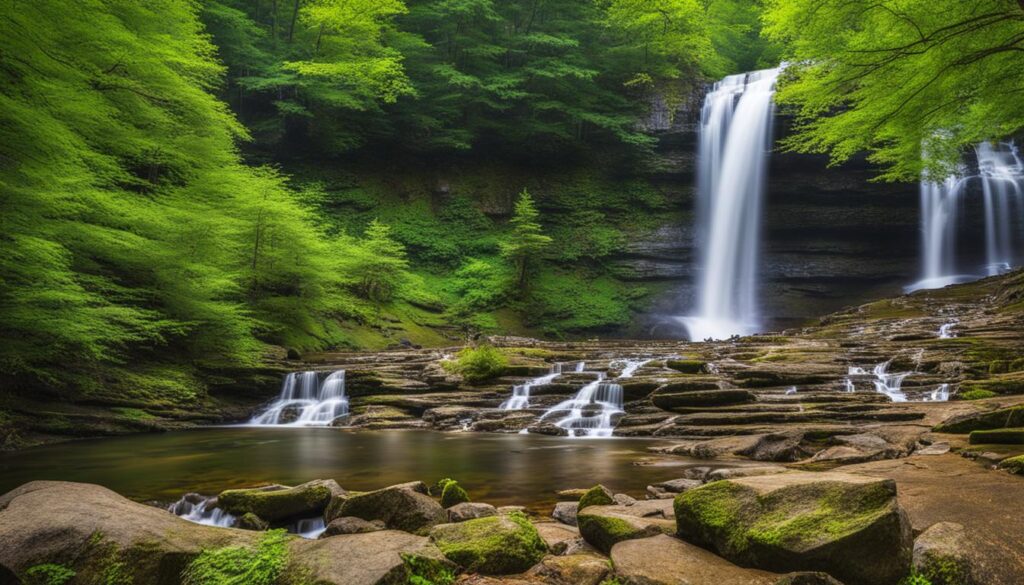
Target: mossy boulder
{"x": 596, "y": 496}
{"x": 275, "y": 505}
{"x": 687, "y": 366}
{"x": 1013, "y": 436}
{"x": 453, "y": 494}
{"x": 1013, "y": 464}
{"x": 250, "y": 521}
{"x": 496, "y": 545}
{"x": 827, "y": 522}
{"x": 994, "y": 419}
{"x": 400, "y": 507}
{"x": 605, "y": 526}
{"x": 941, "y": 555}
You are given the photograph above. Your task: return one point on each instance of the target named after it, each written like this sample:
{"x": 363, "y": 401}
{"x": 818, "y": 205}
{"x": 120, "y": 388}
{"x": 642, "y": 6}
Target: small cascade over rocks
{"x": 735, "y": 142}
{"x": 891, "y": 384}
{"x": 946, "y": 330}
{"x": 306, "y": 401}
{"x": 1000, "y": 174}
{"x": 520, "y": 398}
{"x": 201, "y": 510}
{"x": 592, "y": 411}
{"x": 310, "y": 528}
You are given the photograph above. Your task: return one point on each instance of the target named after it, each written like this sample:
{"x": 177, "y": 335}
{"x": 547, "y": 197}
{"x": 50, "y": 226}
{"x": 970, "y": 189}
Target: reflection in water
{"x": 500, "y": 469}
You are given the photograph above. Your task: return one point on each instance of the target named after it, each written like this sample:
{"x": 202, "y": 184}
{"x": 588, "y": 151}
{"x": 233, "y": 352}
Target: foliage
{"x": 239, "y": 565}
{"x": 48, "y": 574}
{"x": 915, "y": 578}
{"x": 381, "y": 264}
{"x": 913, "y": 82}
{"x": 477, "y": 364}
{"x": 526, "y": 241}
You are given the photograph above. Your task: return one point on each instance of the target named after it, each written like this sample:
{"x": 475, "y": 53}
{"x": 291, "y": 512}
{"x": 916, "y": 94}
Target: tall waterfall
{"x": 735, "y": 139}
{"x": 305, "y": 401}
{"x": 1000, "y": 173}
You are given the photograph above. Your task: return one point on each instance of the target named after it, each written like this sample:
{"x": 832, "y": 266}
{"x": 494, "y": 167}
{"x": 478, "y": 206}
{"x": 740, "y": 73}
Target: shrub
{"x": 480, "y": 363}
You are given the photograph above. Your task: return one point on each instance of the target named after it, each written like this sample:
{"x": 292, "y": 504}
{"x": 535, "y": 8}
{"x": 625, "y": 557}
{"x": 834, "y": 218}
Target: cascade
{"x": 520, "y": 398}
{"x": 891, "y": 384}
{"x": 1000, "y": 170}
{"x": 196, "y": 508}
{"x": 305, "y": 401}
{"x": 946, "y": 331}
{"x": 591, "y": 411}
{"x": 735, "y": 139}
{"x": 939, "y": 205}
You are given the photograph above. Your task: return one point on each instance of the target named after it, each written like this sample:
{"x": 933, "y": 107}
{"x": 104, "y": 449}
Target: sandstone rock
{"x": 663, "y": 560}
{"x": 571, "y": 494}
{"x": 624, "y": 499}
{"x": 596, "y": 496}
{"x": 558, "y": 537}
{"x": 565, "y": 512}
{"x": 250, "y": 521}
{"x": 670, "y": 401}
{"x": 383, "y": 557}
{"x": 941, "y": 555}
{"x": 995, "y": 419}
{"x": 275, "y": 505}
{"x": 737, "y": 472}
{"x": 497, "y": 545}
{"x": 470, "y": 510}
{"x": 803, "y": 522}
{"x": 577, "y": 569}
{"x": 351, "y": 525}
{"x": 934, "y": 449}
{"x": 604, "y": 526}
{"x": 400, "y": 507}
{"x": 784, "y": 446}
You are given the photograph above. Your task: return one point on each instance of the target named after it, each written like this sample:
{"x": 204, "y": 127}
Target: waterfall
{"x": 1000, "y": 170}
{"x": 305, "y": 401}
{"x": 196, "y": 508}
{"x": 310, "y": 528}
{"x": 891, "y": 384}
{"x": 946, "y": 331}
{"x": 939, "y": 205}
{"x": 735, "y": 139}
{"x": 520, "y": 398}
{"x": 592, "y": 410}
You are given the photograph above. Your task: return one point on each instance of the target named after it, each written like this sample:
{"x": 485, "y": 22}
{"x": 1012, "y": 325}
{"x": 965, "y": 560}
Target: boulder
{"x": 577, "y": 569}
{"x": 351, "y": 525}
{"x": 383, "y": 557}
{"x": 497, "y": 545}
{"x": 678, "y": 486}
{"x": 941, "y": 555}
{"x": 250, "y": 521}
{"x": 596, "y": 496}
{"x": 452, "y": 494}
{"x": 571, "y": 494}
{"x": 784, "y": 446}
{"x": 470, "y": 510}
{"x": 994, "y": 419}
{"x": 826, "y": 522}
{"x": 276, "y": 505}
{"x": 565, "y": 512}
{"x": 624, "y": 499}
{"x": 604, "y": 526}
{"x": 400, "y": 507}
{"x": 559, "y": 537}
{"x": 663, "y": 560}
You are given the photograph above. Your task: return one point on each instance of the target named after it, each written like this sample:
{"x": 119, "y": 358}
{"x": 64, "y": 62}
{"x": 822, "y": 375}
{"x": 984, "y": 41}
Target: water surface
{"x": 500, "y": 469}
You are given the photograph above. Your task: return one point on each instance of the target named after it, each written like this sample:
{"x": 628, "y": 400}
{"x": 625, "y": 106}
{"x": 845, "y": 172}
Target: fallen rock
{"x": 470, "y": 510}
{"x": 351, "y": 525}
{"x": 663, "y": 560}
{"x": 565, "y": 512}
{"x": 604, "y": 526}
{"x": 940, "y": 555}
{"x": 275, "y": 505}
{"x": 400, "y": 507}
{"x": 826, "y": 522}
{"x": 576, "y": 569}
{"x": 497, "y": 545}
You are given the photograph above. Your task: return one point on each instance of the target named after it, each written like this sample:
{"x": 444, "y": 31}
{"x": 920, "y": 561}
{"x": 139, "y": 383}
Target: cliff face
{"x": 831, "y": 237}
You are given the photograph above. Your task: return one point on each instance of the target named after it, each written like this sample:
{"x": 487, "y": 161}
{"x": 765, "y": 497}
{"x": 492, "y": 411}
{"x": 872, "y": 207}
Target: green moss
{"x": 687, "y": 366}
{"x": 976, "y": 394}
{"x": 496, "y": 545}
{"x": 596, "y": 496}
{"x": 1013, "y": 464}
{"x": 605, "y": 531}
{"x": 48, "y": 574}
{"x": 998, "y": 437}
{"x": 452, "y": 494}
{"x": 426, "y": 571}
{"x": 239, "y": 565}
{"x": 277, "y": 504}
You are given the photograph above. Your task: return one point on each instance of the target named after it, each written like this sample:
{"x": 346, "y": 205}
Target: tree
{"x": 913, "y": 82}
{"x": 525, "y": 241}
{"x": 382, "y": 263}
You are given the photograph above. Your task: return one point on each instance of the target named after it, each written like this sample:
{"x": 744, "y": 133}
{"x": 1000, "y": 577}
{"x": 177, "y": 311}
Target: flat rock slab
{"x": 664, "y": 560}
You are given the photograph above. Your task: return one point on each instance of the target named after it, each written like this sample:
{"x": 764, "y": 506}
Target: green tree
{"x": 911, "y": 81}
{"x": 382, "y": 265}
{"x": 522, "y": 246}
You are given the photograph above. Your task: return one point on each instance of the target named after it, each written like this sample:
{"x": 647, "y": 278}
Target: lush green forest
{"x": 190, "y": 188}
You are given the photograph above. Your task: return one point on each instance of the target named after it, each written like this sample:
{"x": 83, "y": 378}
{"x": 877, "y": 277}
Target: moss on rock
{"x": 1013, "y": 464}
{"x": 1013, "y": 436}
{"x": 308, "y": 499}
{"x": 603, "y": 527}
{"x": 262, "y": 565}
{"x": 687, "y": 366}
{"x": 596, "y": 496}
{"x": 453, "y": 494}
{"x": 496, "y": 545}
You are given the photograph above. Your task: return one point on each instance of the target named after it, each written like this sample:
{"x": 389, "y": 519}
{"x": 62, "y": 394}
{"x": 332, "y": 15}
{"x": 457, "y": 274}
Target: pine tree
{"x": 526, "y": 240}
{"x": 383, "y": 264}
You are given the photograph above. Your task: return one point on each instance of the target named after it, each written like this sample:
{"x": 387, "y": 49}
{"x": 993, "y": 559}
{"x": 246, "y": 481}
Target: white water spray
{"x": 592, "y": 411}
{"x": 198, "y": 509}
{"x": 735, "y": 139}
{"x": 306, "y": 402}
{"x": 520, "y": 398}
{"x": 946, "y": 331}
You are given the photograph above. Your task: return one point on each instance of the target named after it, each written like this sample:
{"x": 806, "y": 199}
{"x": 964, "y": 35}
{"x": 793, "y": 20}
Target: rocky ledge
{"x": 864, "y": 525}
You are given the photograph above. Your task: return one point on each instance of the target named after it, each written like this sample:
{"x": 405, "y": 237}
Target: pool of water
{"x": 499, "y": 469}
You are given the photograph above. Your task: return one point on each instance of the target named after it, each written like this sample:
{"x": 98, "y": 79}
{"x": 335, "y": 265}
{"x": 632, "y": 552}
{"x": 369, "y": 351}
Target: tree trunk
{"x": 295, "y": 14}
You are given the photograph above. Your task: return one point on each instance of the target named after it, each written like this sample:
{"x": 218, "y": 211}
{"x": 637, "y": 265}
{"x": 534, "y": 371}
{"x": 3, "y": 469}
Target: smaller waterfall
{"x": 592, "y": 410}
{"x": 940, "y": 394}
{"x": 946, "y": 331}
{"x": 310, "y": 528}
{"x": 890, "y": 384}
{"x": 1001, "y": 171}
{"x": 940, "y": 203}
{"x": 305, "y": 401}
{"x": 520, "y": 398}
{"x": 196, "y": 508}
